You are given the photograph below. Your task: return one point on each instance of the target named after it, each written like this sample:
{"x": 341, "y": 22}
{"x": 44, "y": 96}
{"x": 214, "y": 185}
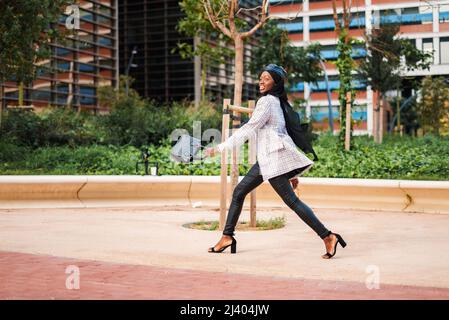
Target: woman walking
{"x": 278, "y": 161}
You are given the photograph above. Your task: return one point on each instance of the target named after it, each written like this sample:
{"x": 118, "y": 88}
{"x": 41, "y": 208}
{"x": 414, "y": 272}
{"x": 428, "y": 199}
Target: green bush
{"x": 396, "y": 158}
{"x": 12, "y": 152}
{"x": 425, "y": 158}
{"x": 22, "y": 128}
{"x": 133, "y": 121}
{"x": 128, "y": 123}
{"x": 52, "y": 127}
{"x": 62, "y": 141}
{"x": 138, "y": 123}
{"x": 64, "y": 126}
{"x": 76, "y": 161}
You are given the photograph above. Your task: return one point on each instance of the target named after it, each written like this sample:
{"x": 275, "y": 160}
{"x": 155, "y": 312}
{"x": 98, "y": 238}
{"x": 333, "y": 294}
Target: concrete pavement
{"x": 405, "y": 253}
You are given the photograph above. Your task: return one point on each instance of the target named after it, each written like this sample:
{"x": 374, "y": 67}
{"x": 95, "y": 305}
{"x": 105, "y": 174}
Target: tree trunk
{"x": 398, "y": 111}
{"x": 1, "y": 102}
{"x": 21, "y": 94}
{"x": 203, "y": 81}
{"x": 377, "y": 118}
{"x": 348, "y": 121}
{"x": 198, "y": 62}
{"x": 238, "y": 85}
{"x": 381, "y": 122}
{"x": 238, "y": 76}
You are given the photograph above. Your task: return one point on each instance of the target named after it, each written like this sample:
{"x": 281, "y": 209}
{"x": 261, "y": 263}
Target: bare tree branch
{"x": 214, "y": 20}
{"x": 348, "y": 14}
{"x": 249, "y": 9}
{"x": 232, "y": 16}
{"x": 273, "y": 17}
{"x": 206, "y": 6}
{"x": 261, "y": 22}
{"x": 335, "y": 16}
{"x": 345, "y": 15}
{"x": 221, "y": 8}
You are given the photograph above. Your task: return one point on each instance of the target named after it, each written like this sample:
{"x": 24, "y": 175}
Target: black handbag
{"x": 296, "y": 130}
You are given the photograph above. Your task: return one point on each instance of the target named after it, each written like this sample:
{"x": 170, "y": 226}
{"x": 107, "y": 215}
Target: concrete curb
{"x": 110, "y": 191}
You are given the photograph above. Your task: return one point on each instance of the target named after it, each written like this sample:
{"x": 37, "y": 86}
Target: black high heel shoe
{"x": 233, "y": 246}
{"x": 339, "y": 240}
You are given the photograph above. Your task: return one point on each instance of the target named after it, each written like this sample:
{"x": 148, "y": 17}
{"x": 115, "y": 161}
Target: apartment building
{"x": 425, "y": 23}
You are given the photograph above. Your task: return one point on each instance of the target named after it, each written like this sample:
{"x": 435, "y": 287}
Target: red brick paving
{"x": 29, "y": 276}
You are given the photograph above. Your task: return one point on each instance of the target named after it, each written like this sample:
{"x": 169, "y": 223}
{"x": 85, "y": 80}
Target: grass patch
{"x": 271, "y": 224}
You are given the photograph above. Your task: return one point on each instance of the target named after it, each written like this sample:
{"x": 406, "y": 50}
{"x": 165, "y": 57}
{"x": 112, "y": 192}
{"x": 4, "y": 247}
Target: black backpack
{"x": 296, "y": 130}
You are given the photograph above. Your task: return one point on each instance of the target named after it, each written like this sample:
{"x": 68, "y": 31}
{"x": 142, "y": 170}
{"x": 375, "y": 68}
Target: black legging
{"x": 281, "y": 185}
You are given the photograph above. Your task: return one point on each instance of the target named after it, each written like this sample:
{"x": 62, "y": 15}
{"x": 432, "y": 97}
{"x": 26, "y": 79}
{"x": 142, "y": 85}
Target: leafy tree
{"x": 112, "y": 98}
{"x": 345, "y": 65}
{"x": 407, "y": 117}
{"x": 433, "y": 108}
{"x": 384, "y": 63}
{"x": 224, "y": 16}
{"x": 136, "y": 121}
{"x": 26, "y": 32}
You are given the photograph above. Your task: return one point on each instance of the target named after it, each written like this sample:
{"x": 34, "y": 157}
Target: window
{"x": 104, "y": 20}
{"x": 105, "y": 41}
{"x": 84, "y": 67}
{"x": 62, "y": 65}
{"x": 321, "y": 23}
{"x": 444, "y": 13}
{"x": 427, "y": 46}
{"x": 444, "y": 50}
{"x": 331, "y": 53}
{"x": 274, "y": 2}
{"x": 293, "y": 26}
{"x": 405, "y": 16}
{"x": 44, "y": 70}
{"x": 86, "y": 15}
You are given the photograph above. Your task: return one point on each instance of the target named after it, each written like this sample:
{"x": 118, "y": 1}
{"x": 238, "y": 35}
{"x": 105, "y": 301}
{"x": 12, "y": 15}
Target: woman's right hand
{"x": 294, "y": 182}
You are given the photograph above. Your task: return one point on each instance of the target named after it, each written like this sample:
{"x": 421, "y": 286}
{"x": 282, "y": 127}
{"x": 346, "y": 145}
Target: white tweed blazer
{"x": 276, "y": 151}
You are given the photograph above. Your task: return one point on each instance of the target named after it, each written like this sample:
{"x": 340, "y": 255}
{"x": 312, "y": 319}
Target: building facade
{"x": 101, "y": 46}
{"x": 425, "y": 23}
{"x": 76, "y": 69}
{"x": 159, "y": 72}
{"x": 148, "y": 26}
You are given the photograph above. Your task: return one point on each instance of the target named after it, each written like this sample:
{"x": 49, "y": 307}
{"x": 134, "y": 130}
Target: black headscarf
{"x": 279, "y": 76}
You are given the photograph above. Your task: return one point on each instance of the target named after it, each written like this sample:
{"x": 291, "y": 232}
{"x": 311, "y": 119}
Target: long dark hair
{"x": 298, "y": 132}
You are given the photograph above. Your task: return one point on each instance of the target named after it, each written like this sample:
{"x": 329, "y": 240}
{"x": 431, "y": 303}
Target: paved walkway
{"x": 146, "y": 253}
{"x": 27, "y": 276}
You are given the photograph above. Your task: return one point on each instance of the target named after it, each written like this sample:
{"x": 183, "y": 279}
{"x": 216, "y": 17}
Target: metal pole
{"x": 329, "y": 97}
{"x": 348, "y": 121}
{"x": 398, "y": 109}
{"x": 1, "y": 102}
{"x": 129, "y": 67}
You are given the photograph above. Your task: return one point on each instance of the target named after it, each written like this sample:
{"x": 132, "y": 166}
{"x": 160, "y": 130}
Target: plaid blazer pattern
{"x": 276, "y": 151}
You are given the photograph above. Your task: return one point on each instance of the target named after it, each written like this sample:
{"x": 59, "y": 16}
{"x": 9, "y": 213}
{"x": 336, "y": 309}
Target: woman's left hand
{"x": 294, "y": 183}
